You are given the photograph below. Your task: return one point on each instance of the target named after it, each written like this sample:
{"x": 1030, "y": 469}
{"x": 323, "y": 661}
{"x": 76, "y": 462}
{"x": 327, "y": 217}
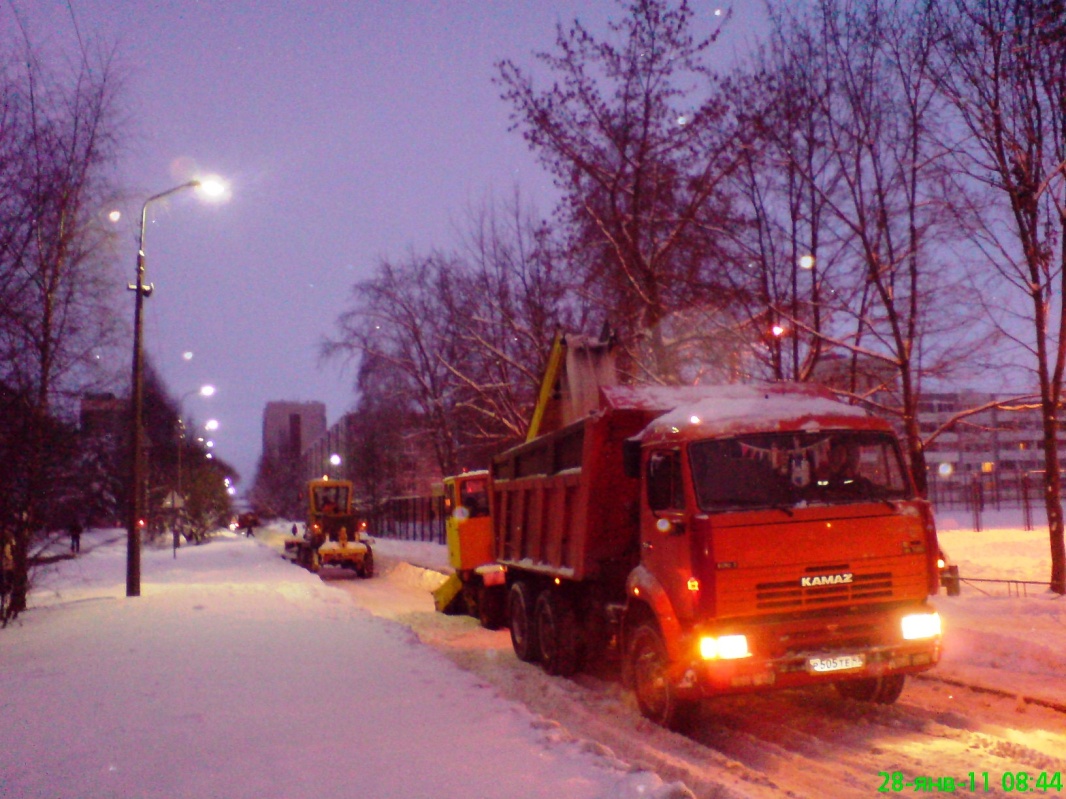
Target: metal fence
{"x": 421, "y": 518}
{"x": 982, "y": 492}
{"x": 409, "y": 519}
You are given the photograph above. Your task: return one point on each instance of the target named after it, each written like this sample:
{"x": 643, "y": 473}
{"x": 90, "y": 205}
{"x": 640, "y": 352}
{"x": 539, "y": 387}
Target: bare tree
{"x": 1003, "y": 67}
{"x": 397, "y": 319}
{"x": 388, "y": 438}
{"x": 637, "y": 137}
{"x": 459, "y": 341}
{"x": 787, "y": 173}
{"x": 522, "y": 300}
{"x": 58, "y": 142}
{"x": 873, "y": 167}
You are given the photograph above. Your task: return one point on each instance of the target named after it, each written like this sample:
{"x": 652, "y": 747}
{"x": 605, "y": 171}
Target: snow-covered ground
{"x": 1004, "y": 635}
{"x": 237, "y": 674}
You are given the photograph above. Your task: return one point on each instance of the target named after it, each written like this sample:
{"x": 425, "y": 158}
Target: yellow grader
{"x": 334, "y": 534}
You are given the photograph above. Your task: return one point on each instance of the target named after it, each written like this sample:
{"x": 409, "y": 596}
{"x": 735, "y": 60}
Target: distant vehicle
{"x": 247, "y": 520}
{"x": 334, "y": 534}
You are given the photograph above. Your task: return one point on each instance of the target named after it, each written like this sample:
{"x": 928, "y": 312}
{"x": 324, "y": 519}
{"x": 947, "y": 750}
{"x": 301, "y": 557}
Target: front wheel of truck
{"x": 520, "y": 604}
{"x": 656, "y": 695}
{"x": 492, "y": 606}
{"x": 366, "y": 568}
{"x": 883, "y": 690}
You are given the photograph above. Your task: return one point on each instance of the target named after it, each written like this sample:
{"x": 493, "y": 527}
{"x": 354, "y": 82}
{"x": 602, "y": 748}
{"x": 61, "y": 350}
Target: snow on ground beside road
{"x": 1007, "y": 643}
{"x": 198, "y": 688}
{"x": 236, "y": 674}
{"x": 1014, "y": 643}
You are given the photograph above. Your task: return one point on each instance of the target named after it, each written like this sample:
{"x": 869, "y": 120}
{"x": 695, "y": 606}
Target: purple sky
{"x": 348, "y": 131}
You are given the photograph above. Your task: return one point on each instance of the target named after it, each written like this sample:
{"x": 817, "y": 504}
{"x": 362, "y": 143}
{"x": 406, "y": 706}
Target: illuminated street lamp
{"x": 211, "y": 188}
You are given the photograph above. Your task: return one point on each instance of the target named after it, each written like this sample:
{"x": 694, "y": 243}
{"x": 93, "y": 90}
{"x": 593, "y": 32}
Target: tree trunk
{"x": 1053, "y": 500}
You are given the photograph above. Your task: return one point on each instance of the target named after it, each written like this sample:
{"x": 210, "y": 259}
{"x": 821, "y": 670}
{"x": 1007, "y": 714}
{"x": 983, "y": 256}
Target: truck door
{"x": 664, "y": 534}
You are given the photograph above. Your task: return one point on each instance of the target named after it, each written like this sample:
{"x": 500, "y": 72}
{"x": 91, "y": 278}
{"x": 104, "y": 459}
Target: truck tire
{"x": 557, "y": 634}
{"x": 366, "y": 568}
{"x": 492, "y": 606}
{"x": 656, "y": 695}
{"x": 883, "y": 690}
{"x": 520, "y": 605}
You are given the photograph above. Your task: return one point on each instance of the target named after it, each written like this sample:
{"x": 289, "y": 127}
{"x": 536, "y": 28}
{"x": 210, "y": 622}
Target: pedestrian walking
{"x": 75, "y": 537}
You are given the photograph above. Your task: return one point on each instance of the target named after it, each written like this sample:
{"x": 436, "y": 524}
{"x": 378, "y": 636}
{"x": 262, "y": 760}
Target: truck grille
{"x": 788, "y": 594}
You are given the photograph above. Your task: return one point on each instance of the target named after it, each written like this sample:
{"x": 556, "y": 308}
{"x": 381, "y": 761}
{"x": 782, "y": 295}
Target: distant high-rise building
{"x": 290, "y": 427}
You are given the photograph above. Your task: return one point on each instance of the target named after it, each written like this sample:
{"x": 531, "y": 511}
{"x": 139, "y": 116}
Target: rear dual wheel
{"x": 544, "y": 627}
{"x": 557, "y": 633}
{"x": 520, "y": 608}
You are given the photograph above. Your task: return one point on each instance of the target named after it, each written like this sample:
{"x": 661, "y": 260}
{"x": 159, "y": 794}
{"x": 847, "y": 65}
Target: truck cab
{"x": 782, "y": 544}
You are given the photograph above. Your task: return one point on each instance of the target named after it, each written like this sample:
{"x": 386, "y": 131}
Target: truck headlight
{"x": 724, "y": 647}
{"x": 920, "y": 625}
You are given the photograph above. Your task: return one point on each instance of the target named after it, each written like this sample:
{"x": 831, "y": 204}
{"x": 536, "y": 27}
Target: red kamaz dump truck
{"x": 720, "y": 540}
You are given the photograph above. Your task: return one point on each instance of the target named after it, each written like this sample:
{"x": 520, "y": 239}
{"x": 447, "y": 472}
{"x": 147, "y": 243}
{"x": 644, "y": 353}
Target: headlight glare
{"x": 724, "y": 647}
{"x": 920, "y": 625}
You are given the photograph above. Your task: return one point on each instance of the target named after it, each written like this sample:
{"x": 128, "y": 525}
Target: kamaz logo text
{"x": 826, "y": 579}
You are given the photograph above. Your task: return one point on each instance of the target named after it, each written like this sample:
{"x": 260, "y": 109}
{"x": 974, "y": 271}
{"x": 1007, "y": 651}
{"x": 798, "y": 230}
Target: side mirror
{"x": 631, "y": 458}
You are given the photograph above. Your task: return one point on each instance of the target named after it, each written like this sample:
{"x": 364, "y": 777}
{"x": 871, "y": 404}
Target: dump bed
{"x": 562, "y": 505}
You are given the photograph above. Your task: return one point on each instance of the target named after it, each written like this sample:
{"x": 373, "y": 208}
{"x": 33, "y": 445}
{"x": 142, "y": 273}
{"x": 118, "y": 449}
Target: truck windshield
{"x": 786, "y": 469}
{"x": 331, "y": 499}
{"x": 474, "y": 496}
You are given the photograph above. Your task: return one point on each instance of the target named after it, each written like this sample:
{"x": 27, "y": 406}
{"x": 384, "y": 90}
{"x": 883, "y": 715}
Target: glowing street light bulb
{"x": 212, "y": 188}
{"x": 777, "y": 330}
{"x": 211, "y": 424}
{"x": 806, "y": 262}
{"x": 335, "y": 459}
{"x": 207, "y": 391}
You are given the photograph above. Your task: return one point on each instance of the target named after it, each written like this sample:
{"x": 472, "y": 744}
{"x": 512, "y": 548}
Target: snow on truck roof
{"x": 725, "y": 409}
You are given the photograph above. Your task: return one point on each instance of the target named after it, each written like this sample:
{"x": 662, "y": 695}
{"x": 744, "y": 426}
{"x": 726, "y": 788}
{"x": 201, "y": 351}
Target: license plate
{"x": 822, "y": 665}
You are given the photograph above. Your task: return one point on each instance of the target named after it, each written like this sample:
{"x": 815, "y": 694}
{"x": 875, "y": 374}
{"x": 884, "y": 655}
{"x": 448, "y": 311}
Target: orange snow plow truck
{"x": 721, "y": 540}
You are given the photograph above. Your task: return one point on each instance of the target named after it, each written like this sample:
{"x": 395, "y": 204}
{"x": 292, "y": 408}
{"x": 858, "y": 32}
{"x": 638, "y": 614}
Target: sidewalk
{"x": 236, "y": 675}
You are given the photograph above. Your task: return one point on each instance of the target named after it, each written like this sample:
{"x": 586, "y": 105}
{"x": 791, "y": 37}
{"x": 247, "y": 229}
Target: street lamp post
{"x": 136, "y": 489}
